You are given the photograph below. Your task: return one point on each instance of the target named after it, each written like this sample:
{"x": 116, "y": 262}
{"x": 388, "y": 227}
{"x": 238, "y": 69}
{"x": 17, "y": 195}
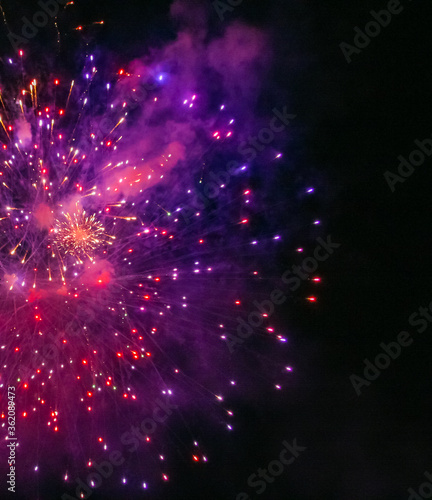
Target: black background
{"x": 358, "y": 118}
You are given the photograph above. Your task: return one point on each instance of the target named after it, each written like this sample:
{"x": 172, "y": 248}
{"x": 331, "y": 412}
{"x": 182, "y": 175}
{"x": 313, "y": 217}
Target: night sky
{"x": 353, "y": 120}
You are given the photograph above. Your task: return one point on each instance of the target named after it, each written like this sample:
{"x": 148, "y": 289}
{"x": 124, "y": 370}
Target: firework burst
{"x": 80, "y": 234}
{"x": 121, "y": 280}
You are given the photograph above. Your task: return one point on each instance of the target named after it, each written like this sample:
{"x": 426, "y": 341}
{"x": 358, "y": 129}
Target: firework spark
{"x": 80, "y": 234}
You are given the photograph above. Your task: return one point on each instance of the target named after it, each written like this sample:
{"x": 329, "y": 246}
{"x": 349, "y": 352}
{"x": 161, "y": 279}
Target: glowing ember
{"x": 79, "y": 235}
